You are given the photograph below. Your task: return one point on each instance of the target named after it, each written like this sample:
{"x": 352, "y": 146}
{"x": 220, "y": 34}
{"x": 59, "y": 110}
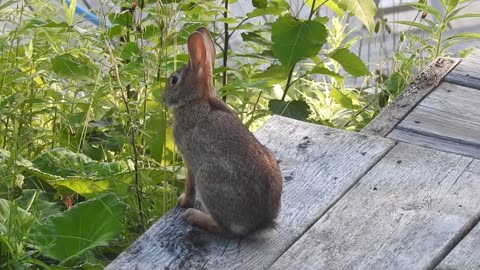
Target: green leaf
{"x": 36, "y": 202}
{"x": 260, "y": 3}
{"x": 350, "y": 62}
{"x": 273, "y": 72}
{"x": 464, "y": 36}
{"x": 294, "y": 40}
{"x": 63, "y": 162}
{"x": 325, "y": 71}
{"x": 341, "y": 98}
{"x": 467, "y": 15}
{"x": 130, "y": 50}
{"x": 426, "y": 8}
{"x": 72, "y": 67}
{"x": 14, "y": 216}
{"x": 416, "y": 25}
{"x": 155, "y": 134}
{"x": 451, "y": 5}
{"x": 364, "y": 10}
{"x": 330, "y": 4}
{"x": 296, "y": 109}
{"x": 254, "y": 37}
{"x": 70, "y": 172}
{"x": 275, "y": 7}
{"x": 36, "y": 23}
{"x": 396, "y": 83}
{"x": 87, "y": 225}
{"x": 124, "y": 19}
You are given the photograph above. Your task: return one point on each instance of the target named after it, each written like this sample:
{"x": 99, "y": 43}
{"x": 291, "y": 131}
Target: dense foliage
{"x": 86, "y": 151}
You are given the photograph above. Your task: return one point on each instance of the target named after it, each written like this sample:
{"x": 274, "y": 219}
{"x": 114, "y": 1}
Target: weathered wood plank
{"x": 466, "y": 255}
{"x": 434, "y": 143}
{"x": 424, "y": 83}
{"x": 467, "y": 73}
{"x": 450, "y": 113}
{"x": 406, "y": 213}
{"x": 319, "y": 166}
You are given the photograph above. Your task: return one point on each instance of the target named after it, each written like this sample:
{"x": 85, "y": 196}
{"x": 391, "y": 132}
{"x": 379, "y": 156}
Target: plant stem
{"x": 225, "y": 50}
{"x": 287, "y": 86}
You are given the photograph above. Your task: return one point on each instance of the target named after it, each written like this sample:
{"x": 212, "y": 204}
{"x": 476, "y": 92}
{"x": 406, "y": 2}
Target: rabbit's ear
{"x": 208, "y": 43}
{"x": 197, "y": 50}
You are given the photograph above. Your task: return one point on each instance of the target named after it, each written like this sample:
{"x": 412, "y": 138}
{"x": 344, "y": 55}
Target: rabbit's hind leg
{"x": 187, "y": 199}
{"x": 204, "y": 221}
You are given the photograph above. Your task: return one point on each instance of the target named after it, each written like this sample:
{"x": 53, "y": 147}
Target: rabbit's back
{"x": 237, "y": 178}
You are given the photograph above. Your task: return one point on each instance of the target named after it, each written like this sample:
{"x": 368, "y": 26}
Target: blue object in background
{"x": 91, "y": 17}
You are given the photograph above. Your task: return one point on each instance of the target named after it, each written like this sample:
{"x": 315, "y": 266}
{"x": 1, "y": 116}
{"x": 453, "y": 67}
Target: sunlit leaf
{"x": 364, "y": 10}
{"x": 294, "y": 40}
{"x": 350, "y": 62}
{"x": 341, "y": 98}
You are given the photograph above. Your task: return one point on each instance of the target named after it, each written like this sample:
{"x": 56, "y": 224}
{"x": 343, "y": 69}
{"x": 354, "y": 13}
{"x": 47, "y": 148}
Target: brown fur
{"x": 235, "y": 177}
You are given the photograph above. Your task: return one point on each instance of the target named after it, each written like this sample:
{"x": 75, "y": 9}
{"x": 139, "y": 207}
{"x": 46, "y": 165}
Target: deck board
{"x": 406, "y": 213}
{"x": 465, "y": 256}
{"x": 424, "y": 84}
{"x": 450, "y": 114}
{"x": 319, "y": 165}
{"x": 467, "y": 73}
{"x": 434, "y": 143}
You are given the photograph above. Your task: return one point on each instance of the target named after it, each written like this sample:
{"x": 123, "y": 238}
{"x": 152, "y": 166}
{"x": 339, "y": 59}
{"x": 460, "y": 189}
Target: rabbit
{"x": 235, "y": 178}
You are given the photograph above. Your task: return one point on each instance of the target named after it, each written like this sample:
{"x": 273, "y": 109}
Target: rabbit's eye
{"x": 173, "y": 79}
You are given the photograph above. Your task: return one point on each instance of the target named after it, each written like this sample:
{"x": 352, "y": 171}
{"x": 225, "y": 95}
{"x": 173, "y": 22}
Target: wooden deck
{"x": 402, "y": 194}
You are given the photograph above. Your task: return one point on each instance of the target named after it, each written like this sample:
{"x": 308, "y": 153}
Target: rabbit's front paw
{"x": 190, "y": 215}
{"x": 185, "y": 201}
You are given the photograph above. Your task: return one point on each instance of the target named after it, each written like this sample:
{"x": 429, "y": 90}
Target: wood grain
{"x": 423, "y": 84}
{"x": 406, "y": 213}
{"x": 467, "y": 73}
{"x": 319, "y": 166}
{"x": 450, "y": 113}
{"x": 465, "y": 256}
{"x": 433, "y": 142}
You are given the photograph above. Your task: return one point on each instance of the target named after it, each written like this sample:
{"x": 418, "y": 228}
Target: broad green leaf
{"x": 260, "y": 3}
{"x": 341, "y": 98}
{"x": 72, "y": 67}
{"x": 350, "y": 62}
{"x": 296, "y": 109}
{"x": 364, "y": 10}
{"x": 87, "y": 225}
{"x": 37, "y": 203}
{"x": 70, "y": 172}
{"x": 294, "y": 40}
{"x": 62, "y": 162}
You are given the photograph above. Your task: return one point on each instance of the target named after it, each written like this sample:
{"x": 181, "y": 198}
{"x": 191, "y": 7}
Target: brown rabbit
{"x": 235, "y": 178}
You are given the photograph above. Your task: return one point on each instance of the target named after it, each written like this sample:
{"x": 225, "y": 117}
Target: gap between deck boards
{"x": 341, "y": 196}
